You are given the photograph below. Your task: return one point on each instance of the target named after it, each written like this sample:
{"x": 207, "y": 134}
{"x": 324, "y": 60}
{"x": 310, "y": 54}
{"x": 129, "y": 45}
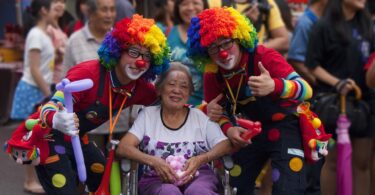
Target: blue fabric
{"x": 178, "y": 50}
{"x": 300, "y": 38}
{"x": 25, "y": 99}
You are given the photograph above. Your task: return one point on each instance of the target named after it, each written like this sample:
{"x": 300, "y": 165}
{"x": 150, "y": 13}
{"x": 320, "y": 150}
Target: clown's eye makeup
{"x": 135, "y": 53}
{"x": 214, "y": 48}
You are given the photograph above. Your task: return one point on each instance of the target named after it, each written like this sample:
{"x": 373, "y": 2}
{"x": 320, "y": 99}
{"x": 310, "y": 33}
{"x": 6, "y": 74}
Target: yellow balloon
{"x": 316, "y": 123}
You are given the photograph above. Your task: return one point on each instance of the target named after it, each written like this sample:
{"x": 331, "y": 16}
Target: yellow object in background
{"x": 10, "y": 55}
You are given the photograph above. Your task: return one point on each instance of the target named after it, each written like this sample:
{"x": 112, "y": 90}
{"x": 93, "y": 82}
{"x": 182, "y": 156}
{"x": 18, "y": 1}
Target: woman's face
{"x": 134, "y": 62}
{"x": 175, "y": 91}
{"x": 57, "y": 8}
{"x": 355, "y": 5}
{"x": 189, "y": 9}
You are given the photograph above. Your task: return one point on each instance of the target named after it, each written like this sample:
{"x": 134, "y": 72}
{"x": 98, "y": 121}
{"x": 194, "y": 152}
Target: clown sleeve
{"x": 48, "y": 110}
{"x": 288, "y": 83}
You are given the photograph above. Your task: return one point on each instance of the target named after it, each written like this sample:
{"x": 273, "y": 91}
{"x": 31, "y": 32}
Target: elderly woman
{"x": 172, "y": 128}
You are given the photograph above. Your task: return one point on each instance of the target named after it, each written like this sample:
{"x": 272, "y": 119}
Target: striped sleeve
{"x": 293, "y": 87}
{"x": 48, "y": 109}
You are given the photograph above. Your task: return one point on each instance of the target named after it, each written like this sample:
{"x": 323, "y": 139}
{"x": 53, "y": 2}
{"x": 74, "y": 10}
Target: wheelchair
{"x": 130, "y": 176}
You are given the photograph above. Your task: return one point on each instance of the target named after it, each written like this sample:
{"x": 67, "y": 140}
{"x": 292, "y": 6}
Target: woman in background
{"x": 59, "y": 39}
{"x": 339, "y": 47}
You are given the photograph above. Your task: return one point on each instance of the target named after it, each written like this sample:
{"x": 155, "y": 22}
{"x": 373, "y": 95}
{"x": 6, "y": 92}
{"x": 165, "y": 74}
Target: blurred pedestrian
{"x": 339, "y": 46}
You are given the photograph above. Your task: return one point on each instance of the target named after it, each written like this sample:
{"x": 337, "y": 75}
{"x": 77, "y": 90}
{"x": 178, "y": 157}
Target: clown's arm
{"x": 212, "y": 94}
{"x": 54, "y": 115}
{"x": 274, "y": 76}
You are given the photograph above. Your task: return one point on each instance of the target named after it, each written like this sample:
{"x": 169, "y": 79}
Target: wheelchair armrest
{"x": 227, "y": 162}
{"x": 125, "y": 165}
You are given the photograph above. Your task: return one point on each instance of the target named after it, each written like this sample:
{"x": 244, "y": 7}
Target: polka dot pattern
{"x": 275, "y": 175}
{"x": 97, "y": 168}
{"x": 278, "y": 116}
{"x": 58, "y": 180}
{"x": 273, "y": 135}
{"x": 236, "y": 171}
{"x": 60, "y": 149}
{"x": 295, "y": 164}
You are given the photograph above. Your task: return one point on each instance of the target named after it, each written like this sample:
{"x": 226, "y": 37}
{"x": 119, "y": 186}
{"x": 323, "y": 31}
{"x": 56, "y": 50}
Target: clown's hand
{"x": 263, "y": 84}
{"x": 65, "y": 122}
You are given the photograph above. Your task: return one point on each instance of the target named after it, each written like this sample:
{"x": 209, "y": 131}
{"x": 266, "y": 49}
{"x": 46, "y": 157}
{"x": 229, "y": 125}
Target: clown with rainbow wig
{"x": 254, "y": 82}
{"x": 132, "y": 54}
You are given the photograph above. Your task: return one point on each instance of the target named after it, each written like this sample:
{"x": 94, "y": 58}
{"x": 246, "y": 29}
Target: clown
{"x": 257, "y": 84}
{"x": 132, "y": 54}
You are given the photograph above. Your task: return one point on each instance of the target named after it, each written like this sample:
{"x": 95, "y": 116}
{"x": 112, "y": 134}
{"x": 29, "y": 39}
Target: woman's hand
{"x": 343, "y": 87}
{"x": 214, "y": 110}
{"x": 165, "y": 172}
{"x": 263, "y": 84}
{"x": 234, "y": 135}
{"x": 191, "y": 167}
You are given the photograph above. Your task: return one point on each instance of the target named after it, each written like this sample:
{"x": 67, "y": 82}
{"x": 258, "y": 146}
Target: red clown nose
{"x": 223, "y": 54}
{"x": 140, "y": 63}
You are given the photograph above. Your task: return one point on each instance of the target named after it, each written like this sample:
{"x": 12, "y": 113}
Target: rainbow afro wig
{"x": 212, "y": 24}
{"x": 132, "y": 31}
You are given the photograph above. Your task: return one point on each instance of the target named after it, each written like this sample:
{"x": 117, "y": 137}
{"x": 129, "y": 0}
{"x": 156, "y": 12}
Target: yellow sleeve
{"x": 274, "y": 20}
{"x": 214, "y": 3}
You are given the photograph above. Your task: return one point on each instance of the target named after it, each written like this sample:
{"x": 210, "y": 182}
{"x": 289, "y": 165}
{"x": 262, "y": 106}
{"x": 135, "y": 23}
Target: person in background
{"x": 173, "y": 128}
{"x": 184, "y": 10}
{"x": 300, "y": 38}
{"x": 83, "y": 44}
{"x": 37, "y": 74}
{"x": 286, "y": 15}
{"x": 81, "y": 10}
{"x": 164, "y": 14}
{"x": 59, "y": 39}
{"x": 338, "y": 49}
{"x": 266, "y": 17}
{"x": 124, "y": 9}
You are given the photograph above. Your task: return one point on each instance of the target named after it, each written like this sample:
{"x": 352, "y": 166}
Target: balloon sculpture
{"x": 315, "y": 139}
{"x": 177, "y": 163}
{"x": 253, "y": 128}
{"x": 68, "y": 88}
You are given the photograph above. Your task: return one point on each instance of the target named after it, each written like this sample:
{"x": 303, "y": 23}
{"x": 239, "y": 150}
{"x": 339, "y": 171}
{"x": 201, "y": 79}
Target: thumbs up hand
{"x": 263, "y": 84}
{"x": 214, "y": 110}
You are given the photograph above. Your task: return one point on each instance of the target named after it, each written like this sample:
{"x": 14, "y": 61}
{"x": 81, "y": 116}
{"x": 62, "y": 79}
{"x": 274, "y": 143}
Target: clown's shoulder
{"x": 83, "y": 70}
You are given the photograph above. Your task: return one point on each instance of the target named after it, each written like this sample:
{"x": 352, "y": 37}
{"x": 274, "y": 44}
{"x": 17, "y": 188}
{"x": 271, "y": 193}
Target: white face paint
{"x": 227, "y": 64}
{"x": 134, "y": 73}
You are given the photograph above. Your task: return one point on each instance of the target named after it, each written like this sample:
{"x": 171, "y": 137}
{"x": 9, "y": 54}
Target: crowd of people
{"x": 196, "y": 67}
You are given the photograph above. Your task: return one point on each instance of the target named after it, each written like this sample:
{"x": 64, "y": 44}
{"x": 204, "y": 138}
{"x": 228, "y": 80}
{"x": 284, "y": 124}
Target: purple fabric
{"x": 205, "y": 183}
{"x": 344, "y": 157}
